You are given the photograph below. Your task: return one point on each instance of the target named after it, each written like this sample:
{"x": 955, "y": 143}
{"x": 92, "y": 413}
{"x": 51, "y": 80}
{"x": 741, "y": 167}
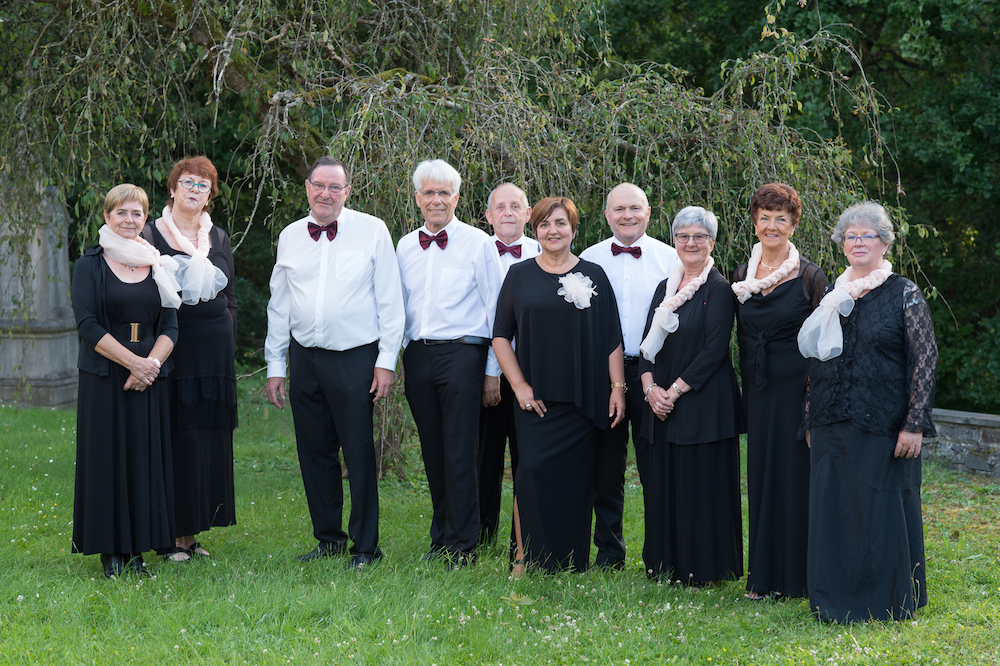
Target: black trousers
{"x": 444, "y": 387}
{"x": 609, "y": 471}
{"x": 497, "y": 429}
{"x": 333, "y": 411}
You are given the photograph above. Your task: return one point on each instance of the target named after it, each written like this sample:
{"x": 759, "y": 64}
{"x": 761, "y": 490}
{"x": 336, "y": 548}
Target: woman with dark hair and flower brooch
{"x": 694, "y": 523}
{"x": 568, "y": 375}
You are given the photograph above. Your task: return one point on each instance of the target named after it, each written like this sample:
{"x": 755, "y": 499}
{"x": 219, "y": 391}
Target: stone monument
{"x": 38, "y": 339}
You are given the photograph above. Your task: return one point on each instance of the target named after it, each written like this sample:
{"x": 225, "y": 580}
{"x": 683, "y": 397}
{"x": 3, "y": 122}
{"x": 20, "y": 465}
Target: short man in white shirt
{"x": 635, "y": 265}
{"x": 507, "y": 211}
{"x": 451, "y": 278}
{"x": 337, "y": 308}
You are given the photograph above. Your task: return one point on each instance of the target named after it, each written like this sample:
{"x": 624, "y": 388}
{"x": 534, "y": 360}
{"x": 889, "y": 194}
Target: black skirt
{"x": 866, "y": 543}
{"x": 553, "y": 486}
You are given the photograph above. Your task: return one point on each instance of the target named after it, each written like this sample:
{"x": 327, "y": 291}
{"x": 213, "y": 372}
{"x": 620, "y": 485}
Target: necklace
{"x": 768, "y": 266}
{"x": 128, "y": 266}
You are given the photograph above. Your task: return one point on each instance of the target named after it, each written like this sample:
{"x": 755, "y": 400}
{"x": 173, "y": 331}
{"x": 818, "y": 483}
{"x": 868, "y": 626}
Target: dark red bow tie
{"x": 634, "y": 250}
{"x": 316, "y": 230}
{"x": 513, "y": 249}
{"x": 441, "y": 238}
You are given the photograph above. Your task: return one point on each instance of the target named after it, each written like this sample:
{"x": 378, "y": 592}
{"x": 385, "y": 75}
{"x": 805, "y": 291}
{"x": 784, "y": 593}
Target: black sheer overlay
{"x": 883, "y": 382}
{"x": 754, "y": 340}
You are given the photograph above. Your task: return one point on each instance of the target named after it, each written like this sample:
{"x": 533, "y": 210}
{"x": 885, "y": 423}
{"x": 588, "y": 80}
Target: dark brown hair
{"x": 776, "y": 196}
{"x": 544, "y": 208}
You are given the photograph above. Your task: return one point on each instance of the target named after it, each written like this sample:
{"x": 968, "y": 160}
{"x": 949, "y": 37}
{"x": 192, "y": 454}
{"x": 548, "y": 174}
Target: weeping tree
{"x": 101, "y": 91}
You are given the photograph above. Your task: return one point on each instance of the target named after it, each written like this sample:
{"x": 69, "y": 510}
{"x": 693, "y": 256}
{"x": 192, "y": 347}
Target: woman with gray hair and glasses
{"x": 868, "y": 405}
{"x": 694, "y": 529}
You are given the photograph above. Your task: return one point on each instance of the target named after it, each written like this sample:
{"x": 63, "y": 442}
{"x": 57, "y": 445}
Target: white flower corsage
{"x": 577, "y": 289}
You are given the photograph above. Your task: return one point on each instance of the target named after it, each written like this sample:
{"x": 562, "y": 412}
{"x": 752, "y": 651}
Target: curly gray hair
{"x": 868, "y": 215}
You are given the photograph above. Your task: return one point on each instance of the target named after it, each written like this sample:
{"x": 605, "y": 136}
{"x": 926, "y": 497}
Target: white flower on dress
{"x": 577, "y": 289}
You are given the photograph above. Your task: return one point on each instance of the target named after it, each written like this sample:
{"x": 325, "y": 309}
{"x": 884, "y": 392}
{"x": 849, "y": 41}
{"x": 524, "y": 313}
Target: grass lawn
{"x": 252, "y": 603}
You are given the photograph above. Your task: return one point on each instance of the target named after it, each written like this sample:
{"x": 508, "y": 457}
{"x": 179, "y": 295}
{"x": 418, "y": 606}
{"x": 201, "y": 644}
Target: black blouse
{"x": 562, "y": 350}
{"x": 698, "y": 353}
{"x": 883, "y": 381}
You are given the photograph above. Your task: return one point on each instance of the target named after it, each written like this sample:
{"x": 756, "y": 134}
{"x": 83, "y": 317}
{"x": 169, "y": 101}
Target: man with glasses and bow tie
{"x": 507, "y": 211}
{"x": 635, "y": 265}
{"x": 451, "y": 278}
{"x": 337, "y": 309}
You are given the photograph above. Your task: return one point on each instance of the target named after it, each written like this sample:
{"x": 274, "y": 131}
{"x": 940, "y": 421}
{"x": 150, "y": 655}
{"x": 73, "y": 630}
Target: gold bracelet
{"x": 620, "y": 385}
{"x": 677, "y": 388}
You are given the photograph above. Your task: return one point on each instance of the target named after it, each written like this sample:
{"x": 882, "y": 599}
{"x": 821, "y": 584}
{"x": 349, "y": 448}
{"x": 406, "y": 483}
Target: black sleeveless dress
{"x": 202, "y": 389}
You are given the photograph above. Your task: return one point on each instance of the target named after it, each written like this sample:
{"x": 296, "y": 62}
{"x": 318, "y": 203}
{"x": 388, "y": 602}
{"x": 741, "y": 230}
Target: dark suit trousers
{"x": 497, "y": 428}
{"x": 609, "y": 471}
{"x": 333, "y": 410}
{"x": 444, "y": 387}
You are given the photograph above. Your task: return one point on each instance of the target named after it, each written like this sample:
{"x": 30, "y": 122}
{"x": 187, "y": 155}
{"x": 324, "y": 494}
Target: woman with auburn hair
{"x": 203, "y": 383}
{"x": 776, "y": 290}
{"x": 568, "y": 375}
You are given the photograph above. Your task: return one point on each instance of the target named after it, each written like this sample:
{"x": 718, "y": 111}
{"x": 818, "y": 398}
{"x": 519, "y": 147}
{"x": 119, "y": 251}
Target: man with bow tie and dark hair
{"x": 635, "y": 265}
{"x": 337, "y": 308}
{"x": 451, "y": 278}
{"x": 507, "y": 211}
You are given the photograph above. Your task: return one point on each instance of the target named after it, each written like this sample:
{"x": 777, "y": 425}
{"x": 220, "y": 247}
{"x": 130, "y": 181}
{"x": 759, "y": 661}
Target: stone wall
{"x": 966, "y": 441}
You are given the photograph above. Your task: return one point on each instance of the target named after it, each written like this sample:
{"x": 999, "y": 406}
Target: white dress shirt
{"x": 634, "y": 281}
{"x": 450, "y": 293}
{"x": 337, "y": 294}
{"x": 529, "y": 250}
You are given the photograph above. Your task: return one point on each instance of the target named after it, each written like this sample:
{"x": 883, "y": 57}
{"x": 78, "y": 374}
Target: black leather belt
{"x": 631, "y": 360}
{"x": 131, "y": 332}
{"x": 464, "y": 340}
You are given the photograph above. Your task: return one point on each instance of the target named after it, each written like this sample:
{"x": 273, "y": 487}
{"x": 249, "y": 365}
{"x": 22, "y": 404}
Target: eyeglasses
{"x": 332, "y": 189}
{"x": 683, "y": 239}
{"x": 867, "y": 238}
{"x": 430, "y": 194}
{"x": 200, "y": 188}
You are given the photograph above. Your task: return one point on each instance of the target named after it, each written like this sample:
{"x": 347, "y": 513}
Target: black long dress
{"x": 866, "y": 545}
{"x": 563, "y": 353}
{"x": 774, "y": 382}
{"x": 124, "y": 495}
{"x": 694, "y": 522}
{"x": 203, "y": 400}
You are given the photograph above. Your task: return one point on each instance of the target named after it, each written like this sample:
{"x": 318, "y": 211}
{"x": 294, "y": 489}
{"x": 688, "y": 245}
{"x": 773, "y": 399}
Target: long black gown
{"x": 563, "y": 353}
{"x": 694, "y": 521}
{"x": 203, "y": 400}
{"x": 774, "y": 381}
{"x": 124, "y": 496}
{"x": 866, "y": 544}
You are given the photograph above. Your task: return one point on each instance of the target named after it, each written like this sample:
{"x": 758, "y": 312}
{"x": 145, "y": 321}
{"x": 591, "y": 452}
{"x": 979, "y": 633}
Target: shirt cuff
{"x": 492, "y": 366}
{"x": 387, "y": 361}
{"x": 276, "y": 368}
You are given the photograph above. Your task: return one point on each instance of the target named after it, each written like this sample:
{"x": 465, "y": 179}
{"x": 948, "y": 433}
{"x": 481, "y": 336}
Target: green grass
{"x": 253, "y": 603}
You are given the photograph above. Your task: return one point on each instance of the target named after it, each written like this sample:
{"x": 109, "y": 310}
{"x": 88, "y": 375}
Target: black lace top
{"x": 883, "y": 382}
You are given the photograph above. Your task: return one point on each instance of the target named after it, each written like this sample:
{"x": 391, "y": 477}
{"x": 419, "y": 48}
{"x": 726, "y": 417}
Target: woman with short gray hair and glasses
{"x": 868, "y": 405}
{"x": 694, "y": 522}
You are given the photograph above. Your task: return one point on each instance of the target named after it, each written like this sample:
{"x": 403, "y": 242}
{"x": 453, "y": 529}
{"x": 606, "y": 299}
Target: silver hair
{"x": 438, "y": 171}
{"x": 642, "y": 195}
{"x": 523, "y": 197}
{"x": 866, "y": 214}
{"x": 696, "y": 216}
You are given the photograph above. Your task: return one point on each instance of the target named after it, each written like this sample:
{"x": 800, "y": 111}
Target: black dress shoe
{"x": 433, "y": 555}
{"x": 114, "y": 564}
{"x": 324, "y": 549}
{"x": 362, "y": 560}
{"x": 610, "y": 565}
{"x": 459, "y": 560}
{"x": 139, "y": 566}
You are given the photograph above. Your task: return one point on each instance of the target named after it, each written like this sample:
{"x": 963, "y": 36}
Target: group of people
{"x": 156, "y": 311}
{"x": 509, "y": 340}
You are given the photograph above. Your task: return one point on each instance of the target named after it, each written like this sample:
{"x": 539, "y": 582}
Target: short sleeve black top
{"x": 562, "y": 350}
